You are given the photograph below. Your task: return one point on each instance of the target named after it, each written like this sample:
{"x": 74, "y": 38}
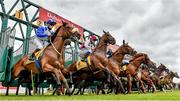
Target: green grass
{"x": 175, "y": 95}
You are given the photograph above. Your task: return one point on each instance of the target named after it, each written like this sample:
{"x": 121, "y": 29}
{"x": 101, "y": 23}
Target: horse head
{"x": 149, "y": 62}
{"x": 67, "y": 31}
{"x": 105, "y": 39}
{"x": 108, "y": 38}
{"x": 162, "y": 68}
{"x": 126, "y": 49}
{"x": 152, "y": 66}
{"x": 175, "y": 75}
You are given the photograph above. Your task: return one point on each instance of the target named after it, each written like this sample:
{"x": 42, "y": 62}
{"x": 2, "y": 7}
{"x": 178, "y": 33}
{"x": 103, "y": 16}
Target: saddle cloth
{"x": 82, "y": 64}
{"x": 37, "y": 55}
{"x": 124, "y": 67}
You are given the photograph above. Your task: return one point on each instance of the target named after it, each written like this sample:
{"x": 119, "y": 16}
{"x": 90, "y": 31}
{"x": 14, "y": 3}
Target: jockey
{"x": 126, "y": 59}
{"x": 90, "y": 43}
{"x": 43, "y": 32}
{"x": 87, "y": 47}
{"x": 109, "y": 53}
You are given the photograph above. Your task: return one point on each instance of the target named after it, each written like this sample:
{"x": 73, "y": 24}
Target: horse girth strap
{"x": 89, "y": 67}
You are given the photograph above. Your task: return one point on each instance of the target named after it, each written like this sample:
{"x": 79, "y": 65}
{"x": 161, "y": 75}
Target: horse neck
{"x": 118, "y": 55}
{"x": 171, "y": 75}
{"x": 59, "y": 42}
{"x": 101, "y": 48}
{"x": 159, "y": 72}
{"x": 59, "y": 45}
{"x": 137, "y": 62}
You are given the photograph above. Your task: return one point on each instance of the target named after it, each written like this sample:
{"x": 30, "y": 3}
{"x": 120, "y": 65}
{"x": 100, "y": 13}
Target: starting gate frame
{"x": 6, "y": 58}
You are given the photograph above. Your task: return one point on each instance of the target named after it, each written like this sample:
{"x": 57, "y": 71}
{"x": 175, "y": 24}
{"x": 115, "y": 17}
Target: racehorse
{"x": 118, "y": 54}
{"x": 25, "y": 77}
{"x": 167, "y": 81}
{"x": 145, "y": 76}
{"x": 116, "y": 59}
{"x": 98, "y": 57}
{"x": 52, "y": 60}
{"x": 157, "y": 76}
{"x": 133, "y": 68}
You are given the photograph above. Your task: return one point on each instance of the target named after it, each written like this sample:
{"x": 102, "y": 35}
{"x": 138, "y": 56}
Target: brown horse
{"x": 133, "y": 67}
{"x": 123, "y": 49}
{"x": 116, "y": 59}
{"x": 25, "y": 77}
{"x": 145, "y": 76}
{"x": 167, "y": 81}
{"x": 98, "y": 57}
{"x": 156, "y": 76}
{"x": 52, "y": 60}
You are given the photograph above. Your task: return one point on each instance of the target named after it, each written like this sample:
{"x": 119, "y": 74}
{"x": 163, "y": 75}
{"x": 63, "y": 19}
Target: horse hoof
{"x": 126, "y": 92}
{"x": 58, "y": 93}
{"x": 69, "y": 94}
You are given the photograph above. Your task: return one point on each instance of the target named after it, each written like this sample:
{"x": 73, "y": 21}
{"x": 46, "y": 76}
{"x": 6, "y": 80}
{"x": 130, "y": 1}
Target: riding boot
{"x": 33, "y": 54}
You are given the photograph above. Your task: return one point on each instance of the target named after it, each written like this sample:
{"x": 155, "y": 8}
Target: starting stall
{"x": 19, "y": 20}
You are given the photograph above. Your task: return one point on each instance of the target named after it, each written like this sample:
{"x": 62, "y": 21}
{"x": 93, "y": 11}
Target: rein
{"x": 54, "y": 46}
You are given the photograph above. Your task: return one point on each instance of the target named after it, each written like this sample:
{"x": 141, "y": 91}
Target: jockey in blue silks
{"x": 42, "y": 34}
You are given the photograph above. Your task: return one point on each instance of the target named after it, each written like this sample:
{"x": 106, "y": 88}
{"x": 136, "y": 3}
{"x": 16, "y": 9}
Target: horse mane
{"x": 117, "y": 51}
{"x": 55, "y": 34}
{"x": 138, "y": 55}
{"x": 98, "y": 42}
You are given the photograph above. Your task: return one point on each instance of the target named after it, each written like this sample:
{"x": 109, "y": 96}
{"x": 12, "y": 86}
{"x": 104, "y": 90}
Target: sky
{"x": 150, "y": 26}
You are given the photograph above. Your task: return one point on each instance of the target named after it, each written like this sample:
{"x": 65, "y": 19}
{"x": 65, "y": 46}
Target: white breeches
{"x": 40, "y": 43}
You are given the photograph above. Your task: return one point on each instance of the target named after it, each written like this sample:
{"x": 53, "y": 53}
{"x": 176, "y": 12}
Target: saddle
{"x": 36, "y": 57}
{"x": 83, "y": 63}
{"x": 124, "y": 66}
{"x": 38, "y": 53}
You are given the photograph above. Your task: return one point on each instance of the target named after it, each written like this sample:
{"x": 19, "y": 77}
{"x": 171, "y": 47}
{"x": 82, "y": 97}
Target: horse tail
{"x": 18, "y": 67}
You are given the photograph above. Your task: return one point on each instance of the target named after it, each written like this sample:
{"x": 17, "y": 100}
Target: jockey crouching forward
{"x": 87, "y": 47}
{"x": 126, "y": 59}
{"x": 42, "y": 34}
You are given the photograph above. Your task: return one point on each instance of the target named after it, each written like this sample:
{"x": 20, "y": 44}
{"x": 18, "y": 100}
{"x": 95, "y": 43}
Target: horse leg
{"x": 81, "y": 87}
{"x": 17, "y": 89}
{"x": 82, "y": 91}
{"x": 141, "y": 82}
{"x": 119, "y": 83}
{"x": 153, "y": 86}
{"x": 109, "y": 90}
{"x": 56, "y": 74}
{"x": 129, "y": 83}
{"x": 55, "y": 87}
{"x": 73, "y": 89}
{"x": 62, "y": 77}
{"x": 49, "y": 68}
{"x": 150, "y": 84}
{"x": 14, "y": 74}
{"x": 71, "y": 80}
{"x": 98, "y": 89}
{"x": 7, "y": 88}
{"x": 65, "y": 82}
